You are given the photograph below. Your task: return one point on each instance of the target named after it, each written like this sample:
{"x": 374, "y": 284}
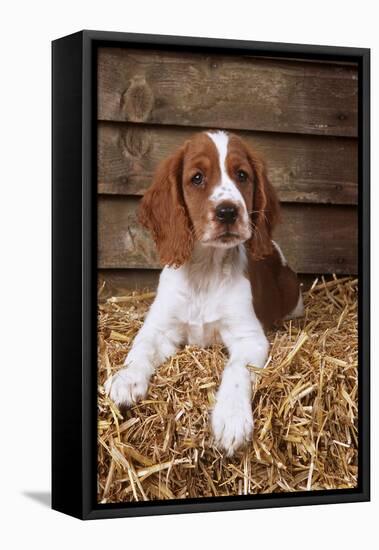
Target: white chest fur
{"x": 201, "y": 314}
{"x": 200, "y": 297}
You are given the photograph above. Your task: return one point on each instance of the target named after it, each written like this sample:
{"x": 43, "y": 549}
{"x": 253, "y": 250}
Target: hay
{"x": 305, "y": 409}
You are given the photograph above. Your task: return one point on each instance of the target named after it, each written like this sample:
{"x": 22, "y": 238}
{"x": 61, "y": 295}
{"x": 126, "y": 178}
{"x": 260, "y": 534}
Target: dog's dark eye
{"x": 197, "y": 179}
{"x": 241, "y": 176}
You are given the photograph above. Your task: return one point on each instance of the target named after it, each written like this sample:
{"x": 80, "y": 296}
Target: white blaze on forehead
{"x": 226, "y": 189}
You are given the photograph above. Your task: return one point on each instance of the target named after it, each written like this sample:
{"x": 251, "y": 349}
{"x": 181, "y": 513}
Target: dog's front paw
{"x": 232, "y": 423}
{"x": 127, "y": 386}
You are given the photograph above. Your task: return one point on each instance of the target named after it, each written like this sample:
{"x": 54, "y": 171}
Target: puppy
{"x": 211, "y": 211}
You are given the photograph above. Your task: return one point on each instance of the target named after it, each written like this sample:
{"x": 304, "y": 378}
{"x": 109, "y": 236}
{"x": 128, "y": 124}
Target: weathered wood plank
{"x": 315, "y": 238}
{"x": 116, "y": 282}
{"x": 225, "y": 91}
{"x": 303, "y": 168}
{"x": 119, "y": 282}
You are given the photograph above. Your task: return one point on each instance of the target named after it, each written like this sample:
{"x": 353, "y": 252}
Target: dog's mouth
{"x": 224, "y": 239}
{"x": 227, "y": 236}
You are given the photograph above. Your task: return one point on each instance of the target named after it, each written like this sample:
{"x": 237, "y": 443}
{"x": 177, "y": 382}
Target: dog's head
{"x": 213, "y": 189}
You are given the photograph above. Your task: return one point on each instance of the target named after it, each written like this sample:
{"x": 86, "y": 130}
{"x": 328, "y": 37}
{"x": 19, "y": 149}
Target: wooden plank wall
{"x": 301, "y": 115}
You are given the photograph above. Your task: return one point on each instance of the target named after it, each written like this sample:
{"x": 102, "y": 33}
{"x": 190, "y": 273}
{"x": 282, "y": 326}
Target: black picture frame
{"x": 74, "y": 365}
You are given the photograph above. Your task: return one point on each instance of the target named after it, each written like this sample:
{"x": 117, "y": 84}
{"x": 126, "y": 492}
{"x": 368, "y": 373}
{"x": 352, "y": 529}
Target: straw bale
{"x": 304, "y": 404}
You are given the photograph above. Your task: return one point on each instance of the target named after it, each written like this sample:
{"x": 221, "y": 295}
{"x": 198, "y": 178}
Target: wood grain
{"x": 225, "y": 91}
{"x": 315, "y": 238}
{"x": 302, "y": 168}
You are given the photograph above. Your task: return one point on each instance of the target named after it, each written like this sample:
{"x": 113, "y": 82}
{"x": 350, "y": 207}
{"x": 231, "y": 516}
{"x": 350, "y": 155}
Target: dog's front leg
{"x": 154, "y": 343}
{"x": 232, "y": 418}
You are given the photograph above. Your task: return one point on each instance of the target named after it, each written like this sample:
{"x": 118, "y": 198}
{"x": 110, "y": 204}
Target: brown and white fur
{"x": 211, "y": 211}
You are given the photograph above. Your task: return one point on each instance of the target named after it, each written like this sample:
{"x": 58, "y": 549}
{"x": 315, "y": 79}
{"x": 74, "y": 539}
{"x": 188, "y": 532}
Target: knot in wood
{"x": 137, "y": 101}
{"x": 137, "y": 142}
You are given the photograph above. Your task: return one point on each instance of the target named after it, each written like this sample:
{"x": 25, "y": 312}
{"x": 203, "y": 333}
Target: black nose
{"x": 226, "y": 213}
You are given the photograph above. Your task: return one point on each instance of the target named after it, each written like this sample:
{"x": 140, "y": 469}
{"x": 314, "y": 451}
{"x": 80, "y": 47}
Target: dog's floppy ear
{"x": 265, "y": 209}
{"x": 163, "y": 211}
